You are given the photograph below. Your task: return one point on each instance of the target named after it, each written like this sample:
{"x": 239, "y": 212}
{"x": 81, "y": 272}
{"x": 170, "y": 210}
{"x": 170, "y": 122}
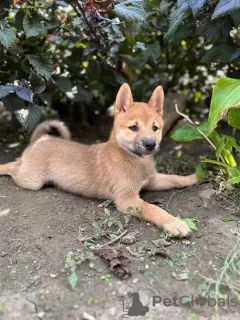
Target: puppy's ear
{"x": 157, "y": 99}
{"x": 124, "y": 100}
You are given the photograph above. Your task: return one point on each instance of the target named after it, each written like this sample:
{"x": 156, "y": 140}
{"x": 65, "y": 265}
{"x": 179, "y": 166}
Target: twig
{"x": 200, "y": 131}
{"x": 179, "y": 191}
{"x": 82, "y": 13}
{"x": 196, "y": 127}
{"x": 173, "y": 194}
{"x": 212, "y": 281}
{"x": 134, "y": 254}
{"x": 114, "y": 240}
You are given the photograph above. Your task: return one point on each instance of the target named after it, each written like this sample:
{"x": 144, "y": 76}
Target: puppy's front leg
{"x": 130, "y": 201}
{"x": 170, "y": 181}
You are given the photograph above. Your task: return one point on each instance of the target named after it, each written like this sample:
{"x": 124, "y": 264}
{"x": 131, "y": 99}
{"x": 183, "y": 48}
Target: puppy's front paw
{"x": 194, "y": 179}
{"x": 177, "y": 228}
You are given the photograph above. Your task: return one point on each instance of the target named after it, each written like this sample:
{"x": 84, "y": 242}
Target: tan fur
{"x": 117, "y": 169}
{"x": 47, "y": 126}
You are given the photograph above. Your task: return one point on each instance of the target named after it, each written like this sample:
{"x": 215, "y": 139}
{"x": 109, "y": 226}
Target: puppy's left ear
{"x": 157, "y": 99}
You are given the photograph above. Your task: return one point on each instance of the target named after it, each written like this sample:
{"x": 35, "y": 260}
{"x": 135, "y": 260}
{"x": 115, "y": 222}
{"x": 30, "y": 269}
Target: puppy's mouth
{"x": 143, "y": 152}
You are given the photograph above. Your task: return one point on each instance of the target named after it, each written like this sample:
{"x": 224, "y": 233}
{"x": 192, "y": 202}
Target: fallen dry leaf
{"x": 118, "y": 263}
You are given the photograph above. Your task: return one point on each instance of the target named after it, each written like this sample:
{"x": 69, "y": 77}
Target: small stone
{"x": 185, "y": 241}
{"x": 87, "y": 316}
{"x": 146, "y": 266}
{"x": 141, "y": 270}
{"x": 53, "y": 275}
{"x": 161, "y": 242}
{"x": 135, "y": 280}
{"x": 40, "y": 315}
{"x": 3, "y": 254}
{"x": 199, "y": 235}
{"x": 128, "y": 239}
{"x": 142, "y": 259}
{"x": 112, "y": 311}
{"x": 206, "y": 196}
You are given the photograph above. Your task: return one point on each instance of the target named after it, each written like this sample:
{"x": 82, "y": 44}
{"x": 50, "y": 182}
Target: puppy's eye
{"x": 133, "y": 128}
{"x": 155, "y": 128}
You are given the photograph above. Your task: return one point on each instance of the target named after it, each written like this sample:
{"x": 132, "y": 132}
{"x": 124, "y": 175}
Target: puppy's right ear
{"x": 124, "y": 99}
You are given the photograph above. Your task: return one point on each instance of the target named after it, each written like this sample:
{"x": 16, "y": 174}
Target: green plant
{"x": 216, "y": 21}
{"x": 72, "y": 261}
{"x": 106, "y": 277}
{"x": 227, "y": 278}
{"x": 71, "y": 264}
{"x": 73, "y": 55}
{"x": 191, "y": 223}
{"x": 59, "y": 51}
{"x": 225, "y": 101}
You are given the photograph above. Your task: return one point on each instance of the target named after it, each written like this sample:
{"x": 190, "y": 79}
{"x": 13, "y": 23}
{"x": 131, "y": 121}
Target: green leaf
{"x": 235, "y": 15}
{"x": 213, "y": 31}
{"x": 175, "y": 19}
{"x": 216, "y": 162}
{"x": 30, "y": 117}
{"x": 73, "y": 279}
{"x": 19, "y": 19}
{"x": 190, "y": 133}
{"x": 105, "y": 277}
{"x": 7, "y": 36}
{"x": 152, "y": 51}
{"x": 234, "y": 118}
{"x": 219, "y": 53}
{"x": 34, "y": 25}
{"x": 224, "y": 145}
{"x": 41, "y": 65}
{"x": 226, "y": 219}
{"x": 140, "y": 45}
{"x": 190, "y": 223}
{"x": 37, "y": 82}
{"x": 235, "y": 176}
{"x": 234, "y": 180}
{"x": 235, "y": 55}
{"x": 131, "y": 10}
{"x": 226, "y": 95}
{"x": 224, "y": 7}
{"x": 64, "y": 84}
{"x": 195, "y": 5}
{"x": 5, "y": 90}
{"x": 201, "y": 172}
{"x": 90, "y": 300}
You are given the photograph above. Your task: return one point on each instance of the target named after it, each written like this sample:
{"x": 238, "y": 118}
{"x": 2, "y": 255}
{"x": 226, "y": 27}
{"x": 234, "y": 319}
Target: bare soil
{"x": 38, "y": 229}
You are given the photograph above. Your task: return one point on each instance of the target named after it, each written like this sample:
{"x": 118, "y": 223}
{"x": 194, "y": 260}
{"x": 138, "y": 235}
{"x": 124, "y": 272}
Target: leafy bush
{"x": 225, "y": 101}
{"x": 217, "y": 22}
{"x": 73, "y": 55}
{"x": 68, "y": 45}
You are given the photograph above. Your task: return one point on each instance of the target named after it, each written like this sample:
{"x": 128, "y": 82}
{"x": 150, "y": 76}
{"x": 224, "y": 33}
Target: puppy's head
{"x": 137, "y": 125}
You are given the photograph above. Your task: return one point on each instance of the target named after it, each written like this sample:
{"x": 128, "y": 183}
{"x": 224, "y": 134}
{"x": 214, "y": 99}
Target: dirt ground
{"x": 38, "y": 230}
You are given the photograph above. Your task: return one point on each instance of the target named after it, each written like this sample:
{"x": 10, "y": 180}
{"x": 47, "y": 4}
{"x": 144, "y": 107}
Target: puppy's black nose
{"x": 149, "y": 144}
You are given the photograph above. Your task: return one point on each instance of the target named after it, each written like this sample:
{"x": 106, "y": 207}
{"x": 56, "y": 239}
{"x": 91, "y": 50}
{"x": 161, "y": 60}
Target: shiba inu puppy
{"x": 117, "y": 169}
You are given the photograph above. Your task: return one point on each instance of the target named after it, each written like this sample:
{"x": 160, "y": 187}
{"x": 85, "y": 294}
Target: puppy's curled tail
{"x": 47, "y": 126}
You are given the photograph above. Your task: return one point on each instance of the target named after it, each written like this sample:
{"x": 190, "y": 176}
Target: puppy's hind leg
{"x": 22, "y": 176}
{"x": 7, "y": 169}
